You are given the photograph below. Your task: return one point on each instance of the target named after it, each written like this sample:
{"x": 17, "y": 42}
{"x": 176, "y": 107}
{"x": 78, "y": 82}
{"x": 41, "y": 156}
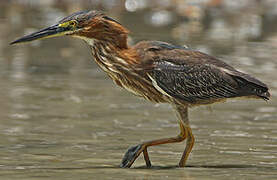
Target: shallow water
{"x": 63, "y": 118}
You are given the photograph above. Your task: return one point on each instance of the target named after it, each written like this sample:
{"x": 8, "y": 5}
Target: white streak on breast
{"x": 120, "y": 60}
{"x": 105, "y": 52}
{"x": 105, "y": 61}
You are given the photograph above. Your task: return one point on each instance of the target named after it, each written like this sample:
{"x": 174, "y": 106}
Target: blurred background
{"x": 61, "y": 116}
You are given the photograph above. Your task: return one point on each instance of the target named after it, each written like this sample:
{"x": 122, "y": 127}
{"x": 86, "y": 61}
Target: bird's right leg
{"x": 182, "y": 111}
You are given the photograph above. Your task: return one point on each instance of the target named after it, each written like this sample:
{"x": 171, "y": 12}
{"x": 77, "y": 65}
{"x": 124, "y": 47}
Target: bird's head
{"x": 87, "y": 25}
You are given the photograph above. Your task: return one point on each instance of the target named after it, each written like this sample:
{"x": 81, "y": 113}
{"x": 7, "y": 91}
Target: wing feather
{"x": 193, "y": 83}
{"x": 193, "y": 76}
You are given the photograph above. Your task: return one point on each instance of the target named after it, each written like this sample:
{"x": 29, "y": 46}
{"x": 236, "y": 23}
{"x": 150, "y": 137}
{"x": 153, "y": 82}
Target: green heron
{"x": 157, "y": 71}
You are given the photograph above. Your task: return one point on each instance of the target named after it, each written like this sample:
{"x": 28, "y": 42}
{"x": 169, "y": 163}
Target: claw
{"x": 130, "y": 156}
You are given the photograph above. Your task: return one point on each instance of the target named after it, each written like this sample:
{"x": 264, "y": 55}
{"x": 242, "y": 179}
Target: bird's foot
{"x": 131, "y": 155}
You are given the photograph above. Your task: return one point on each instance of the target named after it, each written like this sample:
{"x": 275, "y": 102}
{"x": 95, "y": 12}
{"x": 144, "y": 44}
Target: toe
{"x": 130, "y": 156}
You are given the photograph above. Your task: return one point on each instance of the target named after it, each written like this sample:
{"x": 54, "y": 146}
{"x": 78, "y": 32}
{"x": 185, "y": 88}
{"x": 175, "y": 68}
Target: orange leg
{"x": 189, "y": 146}
{"x": 134, "y": 151}
{"x": 182, "y": 113}
{"x": 190, "y": 142}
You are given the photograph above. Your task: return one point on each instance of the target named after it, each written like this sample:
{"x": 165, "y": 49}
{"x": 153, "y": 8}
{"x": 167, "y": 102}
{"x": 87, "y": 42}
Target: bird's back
{"x": 194, "y": 77}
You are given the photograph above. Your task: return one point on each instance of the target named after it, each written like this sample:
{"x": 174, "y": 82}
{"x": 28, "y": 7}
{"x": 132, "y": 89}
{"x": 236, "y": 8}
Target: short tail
{"x": 250, "y": 86}
{"x": 264, "y": 95}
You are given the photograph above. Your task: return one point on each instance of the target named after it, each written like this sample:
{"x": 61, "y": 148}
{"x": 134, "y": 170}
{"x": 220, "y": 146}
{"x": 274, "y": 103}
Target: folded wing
{"x": 196, "y": 77}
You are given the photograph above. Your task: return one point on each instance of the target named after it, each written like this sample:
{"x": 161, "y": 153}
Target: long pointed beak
{"x": 51, "y": 31}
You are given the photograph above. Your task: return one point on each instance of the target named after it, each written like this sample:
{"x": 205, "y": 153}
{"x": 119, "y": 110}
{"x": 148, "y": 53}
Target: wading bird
{"x": 157, "y": 71}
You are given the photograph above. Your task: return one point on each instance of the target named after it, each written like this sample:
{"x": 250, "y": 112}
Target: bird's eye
{"x": 73, "y": 23}
{"x": 69, "y": 24}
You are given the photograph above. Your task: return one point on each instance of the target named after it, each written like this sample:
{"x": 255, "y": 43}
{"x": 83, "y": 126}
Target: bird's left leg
{"x": 134, "y": 151}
